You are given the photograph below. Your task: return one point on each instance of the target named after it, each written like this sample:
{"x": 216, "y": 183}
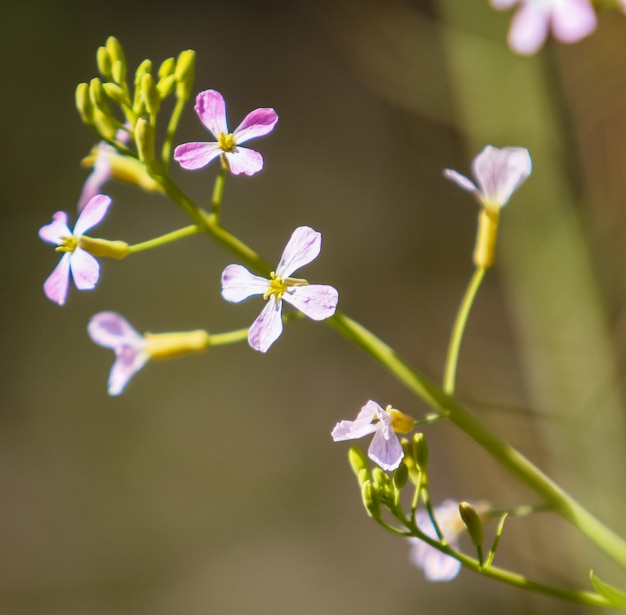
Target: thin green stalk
{"x": 166, "y": 151}
{"x": 164, "y": 239}
{"x": 459, "y": 328}
{"x": 231, "y": 337}
{"x": 218, "y": 192}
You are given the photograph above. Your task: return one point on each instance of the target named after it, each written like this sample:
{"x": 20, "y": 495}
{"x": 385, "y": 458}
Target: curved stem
{"x": 459, "y": 328}
{"x": 164, "y": 239}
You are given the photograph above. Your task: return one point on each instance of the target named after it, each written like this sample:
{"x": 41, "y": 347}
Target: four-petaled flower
{"x": 569, "y": 20}
{"x": 385, "y": 448}
{"x": 438, "y": 566}
{"x": 498, "y": 173}
{"x": 211, "y": 110}
{"x": 84, "y": 268}
{"x": 317, "y": 301}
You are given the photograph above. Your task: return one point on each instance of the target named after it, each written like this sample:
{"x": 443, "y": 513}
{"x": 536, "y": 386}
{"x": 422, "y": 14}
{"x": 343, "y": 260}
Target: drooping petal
{"x": 266, "y": 329}
{"x": 460, "y": 180}
{"x": 244, "y": 161}
{"x": 436, "y": 566}
{"x": 303, "y": 246}
{"x": 100, "y": 174}
{"x": 499, "y": 172}
{"x": 239, "y": 284}
{"x": 85, "y": 269}
{"x": 362, "y": 426}
{"x": 317, "y": 301}
{"x": 529, "y": 29}
{"x": 386, "y": 449}
{"x": 573, "y": 20}
{"x": 211, "y": 109}
{"x": 110, "y": 329}
{"x": 92, "y": 214}
{"x": 58, "y": 281}
{"x": 195, "y": 155}
{"x": 256, "y": 124}
{"x": 58, "y": 228}
{"x": 129, "y": 360}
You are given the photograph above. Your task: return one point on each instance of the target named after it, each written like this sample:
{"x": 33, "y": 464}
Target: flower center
{"x": 278, "y": 286}
{"x": 227, "y": 142}
{"x": 68, "y": 244}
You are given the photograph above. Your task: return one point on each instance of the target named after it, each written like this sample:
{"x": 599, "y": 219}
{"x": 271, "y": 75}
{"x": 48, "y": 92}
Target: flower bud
{"x": 370, "y": 499}
{"x": 401, "y": 476}
{"x": 150, "y": 94}
{"x": 97, "y": 95}
{"x": 103, "y": 247}
{"x": 485, "y": 249}
{"x": 142, "y": 69}
{"x": 358, "y": 460}
{"x": 84, "y": 104}
{"x": 185, "y": 73}
{"x": 472, "y": 522}
{"x": 103, "y": 60}
{"x": 166, "y": 86}
{"x": 116, "y": 53}
{"x": 421, "y": 451}
{"x": 167, "y": 68}
{"x": 144, "y": 138}
{"x": 115, "y": 93}
{"x": 118, "y": 72}
{"x": 167, "y": 345}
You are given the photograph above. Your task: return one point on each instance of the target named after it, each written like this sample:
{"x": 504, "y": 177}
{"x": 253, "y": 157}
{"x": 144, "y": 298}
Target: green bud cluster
{"x": 416, "y": 458}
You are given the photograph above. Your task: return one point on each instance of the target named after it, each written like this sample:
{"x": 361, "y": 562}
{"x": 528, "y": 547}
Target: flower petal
{"x": 361, "y": 426}
{"x": 195, "y": 155}
{"x": 317, "y": 301}
{"x": 129, "y": 360}
{"x": 256, "y": 124}
{"x": 529, "y": 29}
{"x": 92, "y": 214}
{"x": 386, "y": 449}
{"x": 211, "y": 110}
{"x": 58, "y": 228}
{"x": 100, "y": 174}
{"x": 460, "y": 180}
{"x": 244, "y": 161}
{"x": 110, "y": 329}
{"x": 573, "y": 20}
{"x": 303, "y": 246}
{"x": 266, "y": 329}
{"x": 436, "y": 566}
{"x": 239, "y": 284}
{"x": 58, "y": 281}
{"x": 502, "y": 4}
{"x": 499, "y": 172}
{"x": 85, "y": 269}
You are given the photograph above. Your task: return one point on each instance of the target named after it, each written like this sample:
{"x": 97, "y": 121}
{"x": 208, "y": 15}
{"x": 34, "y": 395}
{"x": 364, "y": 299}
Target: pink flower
{"x": 498, "y": 173}
{"x": 111, "y": 330}
{"x": 211, "y": 110}
{"x": 100, "y": 174}
{"x": 438, "y": 566}
{"x": 84, "y": 268}
{"x": 314, "y": 300}
{"x": 385, "y": 448}
{"x": 569, "y": 20}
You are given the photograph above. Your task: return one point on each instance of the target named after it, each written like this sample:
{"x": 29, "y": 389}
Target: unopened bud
{"x": 185, "y": 73}
{"x": 167, "y": 68}
{"x": 83, "y": 103}
{"x": 473, "y": 523}
{"x": 357, "y": 459}
{"x": 370, "y": 499}
{"x": 142, "y": 69}
{"x": 166, "y": 86}
{"x": 118, "y": 72}
{"x": 103, "y": 60}
{"x": 116, "y": 53}
{"x": 485, "y": 249}
{"x": 401, "y": 476}
{"x": 150, "y": 94}
{"x": 97, "y": 95}
{"x": 116, "y": 93}
{"x": 144, "y": 139}
{"x": 421, "y": 451}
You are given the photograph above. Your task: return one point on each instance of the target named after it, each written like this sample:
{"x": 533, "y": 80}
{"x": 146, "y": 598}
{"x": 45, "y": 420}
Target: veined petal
{"x": 129, "y": 360}
{"x": 317, "y": 301}
{"x": 303, "y": 246}
{"x": 386, "y": 449}
{"x": 195, "y": 155}
{"x": 256, "y": 124}
{"x": 211, "y": 110}
{"x": 500, "y": 172}
{"x": 85, "y": 269}
{"x": 266, "y": 329}
{"x": 58, "y": 281}
{"x": 92, "y": 214}
{"x": 529, "y": 29}
{"x": 573, "y": 20}
{"x": 460, "y": 180}
{"x": 244, "y": 161}
{"x": 239, "y": 284}
{"x": 58, "y": 228}
{"x": 363, "y": 425}
{"x": 110, "y": 329}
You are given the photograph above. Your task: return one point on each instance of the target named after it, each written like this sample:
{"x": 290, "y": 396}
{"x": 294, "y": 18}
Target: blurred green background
{"x": 212, "y": 484}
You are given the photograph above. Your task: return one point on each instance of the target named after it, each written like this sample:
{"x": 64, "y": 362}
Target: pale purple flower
{"x": 111, "y": 330}
{"x": 438, "y": 566}
{"x": 211, "y": 110}
{"x": 385, "y": 448}
{"x": 569, "y": 20}
{"x": 100, "y": 174}
{"x": 498, "y": 173}
{"x": 317, "y": 301}
{"x": 84, "y": 268}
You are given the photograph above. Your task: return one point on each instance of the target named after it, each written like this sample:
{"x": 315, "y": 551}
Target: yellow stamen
{"x": 278, "y": 286}
{"x": 227, "y": 142}
{"x": 68, "y": 244}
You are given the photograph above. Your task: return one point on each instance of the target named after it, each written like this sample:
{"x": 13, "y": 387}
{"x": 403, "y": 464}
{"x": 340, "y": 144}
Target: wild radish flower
{"x": 84, "y": 268}
{"x": 498, "y": 173}
{"x": 438, "y": 566}
{"x": 385, "y": 448}
{"x": 569, "y": 20}
{"x": 211, "y": 110}
{"x": 132, "y": 350}
{"x": 317, "y": 301}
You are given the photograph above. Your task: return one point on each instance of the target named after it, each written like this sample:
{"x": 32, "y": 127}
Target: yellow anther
{"x": 227, "y": 142}
{"x": 400, "y": 422}
{"x": 68, "y": 244}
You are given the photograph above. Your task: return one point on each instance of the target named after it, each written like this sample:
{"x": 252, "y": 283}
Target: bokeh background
{"x": 212, "y": 485}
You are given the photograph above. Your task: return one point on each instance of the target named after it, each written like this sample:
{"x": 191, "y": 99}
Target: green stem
{"x": 231, "y": 337}
{"x": 459, "y": 328}
{"x": 218, "y": 193}
{"x": 166, "y": 151}
{"x": 164, "y": 239}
